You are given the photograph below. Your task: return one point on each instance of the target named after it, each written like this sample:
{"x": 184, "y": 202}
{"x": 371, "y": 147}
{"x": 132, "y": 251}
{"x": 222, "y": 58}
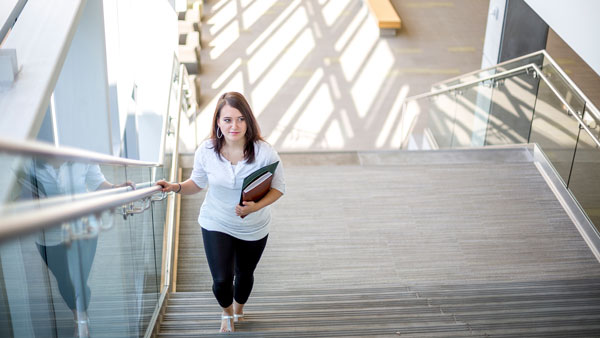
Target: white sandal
{"x": 229, "y": 327}
{"x": 237, "y": 318}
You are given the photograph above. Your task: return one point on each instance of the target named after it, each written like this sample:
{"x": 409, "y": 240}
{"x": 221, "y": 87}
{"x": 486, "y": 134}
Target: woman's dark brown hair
{"x": 237, "y": 101}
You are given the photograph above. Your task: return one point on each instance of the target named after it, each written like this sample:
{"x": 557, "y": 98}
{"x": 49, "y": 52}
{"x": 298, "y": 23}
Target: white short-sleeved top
{"x": 224, "y": 182}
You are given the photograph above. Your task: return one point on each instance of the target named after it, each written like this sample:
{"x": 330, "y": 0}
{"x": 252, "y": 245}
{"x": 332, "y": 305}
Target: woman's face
{"x": 232, "y": 124}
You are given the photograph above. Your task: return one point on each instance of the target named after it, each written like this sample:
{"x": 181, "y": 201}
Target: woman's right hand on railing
{"x": 168, "y": 187}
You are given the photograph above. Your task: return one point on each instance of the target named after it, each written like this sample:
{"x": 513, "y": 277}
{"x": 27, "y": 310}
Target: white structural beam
{"x": 41, "y": 38}
{"x": 81, "y": 104}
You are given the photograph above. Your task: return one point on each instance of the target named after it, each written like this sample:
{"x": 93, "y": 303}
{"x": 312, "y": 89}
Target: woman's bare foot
{"x": 227, "y": 319}
{"x": 227, "y": 323}
{"x": 238, "y": 312}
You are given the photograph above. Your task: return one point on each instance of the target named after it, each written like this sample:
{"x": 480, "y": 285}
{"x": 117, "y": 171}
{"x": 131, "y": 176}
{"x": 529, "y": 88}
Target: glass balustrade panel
{"x": 140, "y": 286}
{"x": 440, "y": 113}
{"x": 415, "y": 131}
{"x": 555, "y": 130}
{"x": 563, "y": 87}
{"x": 74, "y": 279}
{"x": 97, "y": 274}
{"x": 122, "y": 281}
{"x": 472, "y": 107}
{"x": 511, "y": 109}
{"x": 585, "y": 176}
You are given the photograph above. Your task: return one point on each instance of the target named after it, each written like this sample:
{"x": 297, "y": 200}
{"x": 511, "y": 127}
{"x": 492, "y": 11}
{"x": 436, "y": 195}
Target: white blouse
{"x": 224, "y": 183}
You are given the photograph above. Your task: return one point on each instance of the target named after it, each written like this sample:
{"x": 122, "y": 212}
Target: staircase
{"x": 561, "y": 308}
{"x": 425, "y": 244}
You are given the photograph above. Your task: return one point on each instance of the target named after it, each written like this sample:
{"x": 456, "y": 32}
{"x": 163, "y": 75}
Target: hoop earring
{"x": 219, "y": 131}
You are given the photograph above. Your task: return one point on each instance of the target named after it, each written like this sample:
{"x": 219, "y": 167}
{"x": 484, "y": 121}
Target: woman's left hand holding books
{"x": 248, "y": 208}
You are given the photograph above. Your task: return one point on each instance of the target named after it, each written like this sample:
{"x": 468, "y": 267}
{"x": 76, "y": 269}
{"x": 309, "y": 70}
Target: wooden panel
{"x": 385, "y": 13}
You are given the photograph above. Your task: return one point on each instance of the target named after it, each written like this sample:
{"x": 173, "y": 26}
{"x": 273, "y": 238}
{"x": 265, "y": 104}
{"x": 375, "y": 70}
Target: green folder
{"x": 256, "y": 174}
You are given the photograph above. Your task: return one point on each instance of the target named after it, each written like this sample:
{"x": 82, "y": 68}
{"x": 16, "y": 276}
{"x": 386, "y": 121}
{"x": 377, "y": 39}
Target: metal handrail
{"x": 589, "y": 104}
{"x": 470, "y": 83}
{"x": 23, "y": 223}
{"x": 504, "y": 74}
{"x": 35, "y": 148}
{"x": 539, "y": 52}
{"x": 28, "y": 205}
{"x": 569, "y": 107}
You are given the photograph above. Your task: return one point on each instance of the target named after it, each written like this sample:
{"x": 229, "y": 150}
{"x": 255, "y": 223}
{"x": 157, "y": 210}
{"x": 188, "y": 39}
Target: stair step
{"x": 327, "y": 327}
{"x": 500, "y": 308}
{"x": 480, "y": 288}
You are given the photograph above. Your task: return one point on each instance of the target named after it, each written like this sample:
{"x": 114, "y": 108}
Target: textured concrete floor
{"x": 412, "y": 218}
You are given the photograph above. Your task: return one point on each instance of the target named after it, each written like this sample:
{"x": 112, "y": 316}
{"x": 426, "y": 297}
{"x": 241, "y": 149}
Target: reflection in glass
{"x": 562, "y": 87}
{"x": 511, "y": 109}
{"x": 94, "y": 276}
{"x": 441, "y": 115}
{"x": 472, "y": 106}
{"x": 69, "y": 260}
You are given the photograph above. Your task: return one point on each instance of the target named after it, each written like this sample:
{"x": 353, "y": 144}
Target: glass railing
{"x": 530, "y": 100}
{"x": 84, "y": 238}
{"x": 97, "y": 266}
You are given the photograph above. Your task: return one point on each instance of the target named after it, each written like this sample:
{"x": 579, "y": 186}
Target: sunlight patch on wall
{"x": 367, "y": 86}
{"x": 358, "y": 50}
{"x": 351, "y": 29}
{"x": 346, "y": 123}
{"x": 267, "y": 33}
{"x": 334, "y": 138}
{"x": 333, "y": 10}
{"x": 280, "y": 73}
{"x": 392, "y": 118}
{"x": 300, "y": 100}
{"x": 227, "y": 73}
{"x": 312, "y": 120}
{"x": 246, "y": 3}
{"x": 225, "y": 16}
{"x": 224, "y": 40}
{"x": 276, "y": 45}
{"x": 255, "y": 11}
{"x": 217, "y": 7}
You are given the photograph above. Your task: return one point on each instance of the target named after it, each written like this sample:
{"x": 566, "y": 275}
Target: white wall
{"x": 575, "y": 22}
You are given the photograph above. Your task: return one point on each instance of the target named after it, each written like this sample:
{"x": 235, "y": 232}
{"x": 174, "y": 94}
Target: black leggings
{"x": 228, "y": 257}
